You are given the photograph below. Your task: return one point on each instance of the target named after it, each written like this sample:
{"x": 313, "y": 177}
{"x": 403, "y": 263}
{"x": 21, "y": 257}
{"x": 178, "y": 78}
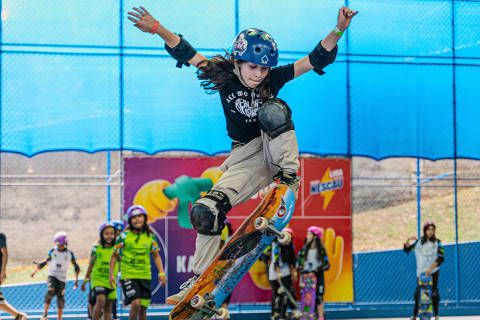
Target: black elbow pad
{"x": 183, "y": 52}
{"x": 320, "y": 58}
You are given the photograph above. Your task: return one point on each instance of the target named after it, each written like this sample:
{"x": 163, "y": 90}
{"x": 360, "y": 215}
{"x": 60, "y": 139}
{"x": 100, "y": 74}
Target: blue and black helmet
{"x": 255, "y": 46}
{"x": 119, "y": 225}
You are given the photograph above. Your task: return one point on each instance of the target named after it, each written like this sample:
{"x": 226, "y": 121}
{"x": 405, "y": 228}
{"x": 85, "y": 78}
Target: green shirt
{"x": 100, "y": 257}
{"x": 134, "y": 251}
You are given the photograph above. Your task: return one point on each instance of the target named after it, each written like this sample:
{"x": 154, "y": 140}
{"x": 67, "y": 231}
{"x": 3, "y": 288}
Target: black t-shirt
{"x": 240, "y": 103}
{"x": 3, "y": 244}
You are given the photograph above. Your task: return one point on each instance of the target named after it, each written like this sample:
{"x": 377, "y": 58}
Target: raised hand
{"x": 344, "y": 18}
{"x": 334, "y": 246}
{"x": 142, "y": 18}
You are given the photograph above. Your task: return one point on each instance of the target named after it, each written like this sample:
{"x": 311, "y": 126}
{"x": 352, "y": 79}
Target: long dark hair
{"x": 318, "y": 245}
{"x": 286, "y": 253}
{"x": 102, "y": 239}
{"x": 424, "y": 238}
{"x": 217, "y": 72}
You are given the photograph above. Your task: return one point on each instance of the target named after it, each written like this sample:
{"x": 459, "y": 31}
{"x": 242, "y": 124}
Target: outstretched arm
{"x": 325, "y": 52}
{"x": 145, "y": 22}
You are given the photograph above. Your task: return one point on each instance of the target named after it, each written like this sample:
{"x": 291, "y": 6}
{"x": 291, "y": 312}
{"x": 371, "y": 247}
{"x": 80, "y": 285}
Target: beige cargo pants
{"x": 248, "y": 169}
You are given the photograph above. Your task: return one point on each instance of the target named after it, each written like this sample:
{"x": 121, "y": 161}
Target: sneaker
{"x": 184, "y": 288}
{"x": 437, "y": 318}
{"x": 291, "y": 180}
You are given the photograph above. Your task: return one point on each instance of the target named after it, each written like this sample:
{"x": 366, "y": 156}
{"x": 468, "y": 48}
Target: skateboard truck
{"x": 266, "y": 225}
{"x": 207, "y": 303}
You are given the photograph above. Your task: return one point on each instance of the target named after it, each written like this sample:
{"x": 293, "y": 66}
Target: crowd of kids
{"x": 284, "y": 268}
{"x": 123, "y": 253}
{"x": 120, "y": 248}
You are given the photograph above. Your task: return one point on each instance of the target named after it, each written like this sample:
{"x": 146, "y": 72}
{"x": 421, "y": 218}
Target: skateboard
{"x": 425, "y": 302}
{"x": 237, "y": 256}
{"x": 285, "y": 295}
{"x": 308, "y": 291}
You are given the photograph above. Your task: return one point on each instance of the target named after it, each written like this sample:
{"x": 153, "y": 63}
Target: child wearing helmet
{"x": 4, "y": 305}
{"x": 119, "y": 226}
{"x": 264, "y": 145}
{"x": 429, "y": 255}
{"x": 134, "y": 247}
{"x": 59, "y": 258}
{"x": 102, "y": 294}
{"x": 281, "y": 272}
{"x": 313, "y": 259}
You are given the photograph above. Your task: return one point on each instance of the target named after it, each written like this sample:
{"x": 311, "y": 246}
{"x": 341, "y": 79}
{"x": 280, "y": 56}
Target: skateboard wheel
{"x": 211, "y": 304}
{"x": 285, "y": 238}
{"x": 197, "y": 302}
{"x": 223, "y": 313}
{"x": 261, "y": 224}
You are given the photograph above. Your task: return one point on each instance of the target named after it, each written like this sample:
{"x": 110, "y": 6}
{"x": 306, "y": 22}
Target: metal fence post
{"x": 419, "y": 200}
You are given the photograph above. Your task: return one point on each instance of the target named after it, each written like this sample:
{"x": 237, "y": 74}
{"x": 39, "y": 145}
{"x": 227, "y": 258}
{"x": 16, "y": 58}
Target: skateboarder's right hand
{"x": 142, "y": 18}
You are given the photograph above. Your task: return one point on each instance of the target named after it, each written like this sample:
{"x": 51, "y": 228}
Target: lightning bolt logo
{"x": 327, "y": 195}
{"x": 331, "y": 181}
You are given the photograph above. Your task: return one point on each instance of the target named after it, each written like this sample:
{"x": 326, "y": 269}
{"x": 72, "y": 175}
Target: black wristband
{"x": 182, "y": 52}
{"x": 320, "y": 57}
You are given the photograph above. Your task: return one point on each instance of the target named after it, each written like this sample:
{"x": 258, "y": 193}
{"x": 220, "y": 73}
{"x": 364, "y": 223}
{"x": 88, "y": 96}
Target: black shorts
{"x": 57, "y": 285}
{"x": 94, "y": 292}
{"x": 2, "y": 298}
{"x": 136, "y": 289}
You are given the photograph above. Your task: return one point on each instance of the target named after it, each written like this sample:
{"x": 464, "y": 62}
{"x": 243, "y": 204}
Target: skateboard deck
{"x": 308, "y": 291}
{"x": 281, "y": 302}
{"x": 425, "y": 303}
{"x": 238, "y": 255}
{"x": 284, "y": 291}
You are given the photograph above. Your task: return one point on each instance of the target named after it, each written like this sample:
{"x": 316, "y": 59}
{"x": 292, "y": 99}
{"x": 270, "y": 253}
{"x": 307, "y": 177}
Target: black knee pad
{"x": 275, "y": 117}
{"x": 61, "y": 299}
{"x": 49, "y": 295}
{"x": 208, "y": 213}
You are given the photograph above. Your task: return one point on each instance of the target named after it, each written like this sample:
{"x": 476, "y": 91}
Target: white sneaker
{"x": 184, "y": 288}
